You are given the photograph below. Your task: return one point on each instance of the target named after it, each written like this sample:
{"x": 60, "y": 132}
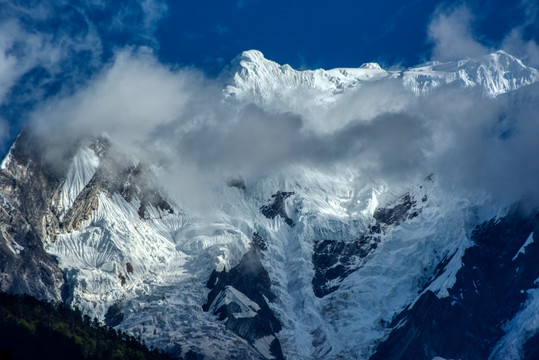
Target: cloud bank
{"x": 451, "y": 33}
{"x": 177, "y": 117}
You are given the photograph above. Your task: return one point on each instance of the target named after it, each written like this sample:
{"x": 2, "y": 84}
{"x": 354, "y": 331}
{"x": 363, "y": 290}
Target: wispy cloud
{"x": 33, "y": 64}
{"x": 47, "y": 48}
{"x": 515, "y": 41}
{"x": 450, "y": 32}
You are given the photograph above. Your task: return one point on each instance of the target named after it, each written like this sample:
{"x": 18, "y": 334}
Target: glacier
{"x": 138, "y": 260}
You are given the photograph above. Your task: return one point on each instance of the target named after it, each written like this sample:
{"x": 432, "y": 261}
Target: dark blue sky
{"x": 312, "y": 34}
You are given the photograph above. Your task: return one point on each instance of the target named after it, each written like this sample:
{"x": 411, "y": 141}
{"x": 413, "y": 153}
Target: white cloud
{"x": 531, "y": 9}
{"x": 54, "y": 47}
{"x": 154, "y": 11}
{"x": 128, "y": 99}
{"x": 178, "y": 117}
{"x": 21, "y": 51}
{"x": 515, "y": 42}
{"x": 451, "y": 33}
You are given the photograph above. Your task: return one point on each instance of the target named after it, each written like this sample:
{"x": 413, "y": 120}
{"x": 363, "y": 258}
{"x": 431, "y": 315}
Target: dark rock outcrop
{"x": 277, "y": 208}
{"x": 334, "y": 260}
{"x": 490, "y": 289}
{"x": 258, "y": 242}
{"x": 114, "y": 315}
{"x": 27, "y": 188}
{"x": 239, "y": 298}
{"x": 403, "y": 209}
{"x": 238, "y": 183}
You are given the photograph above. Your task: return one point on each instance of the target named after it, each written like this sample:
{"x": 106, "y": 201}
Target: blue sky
{"x": 54, "y": 48}
{"x": 312, "y": 34}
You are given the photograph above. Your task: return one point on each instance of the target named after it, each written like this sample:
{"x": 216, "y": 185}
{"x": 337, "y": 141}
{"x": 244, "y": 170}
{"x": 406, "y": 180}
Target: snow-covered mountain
{"x": 254, "y": 78}
{"x": 299, "y": 264}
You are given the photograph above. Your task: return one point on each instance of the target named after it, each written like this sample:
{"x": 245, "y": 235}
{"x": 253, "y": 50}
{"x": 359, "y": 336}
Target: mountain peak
{"x": 253, "y": 55}
{"x": 253, "y": 78}
{"x": 505, "y": 54}
{"x": 371, "y": 65}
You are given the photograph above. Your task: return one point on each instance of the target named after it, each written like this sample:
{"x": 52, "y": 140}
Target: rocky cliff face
{"x": 28, "y": 222}
{"x": 334, "y": 260}
{"x": 492, "y": 287}
{"x": 240, "y": 297}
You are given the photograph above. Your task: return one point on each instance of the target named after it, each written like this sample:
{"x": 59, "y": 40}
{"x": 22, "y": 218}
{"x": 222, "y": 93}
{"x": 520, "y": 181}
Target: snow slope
{"x": 155, "y": 270}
